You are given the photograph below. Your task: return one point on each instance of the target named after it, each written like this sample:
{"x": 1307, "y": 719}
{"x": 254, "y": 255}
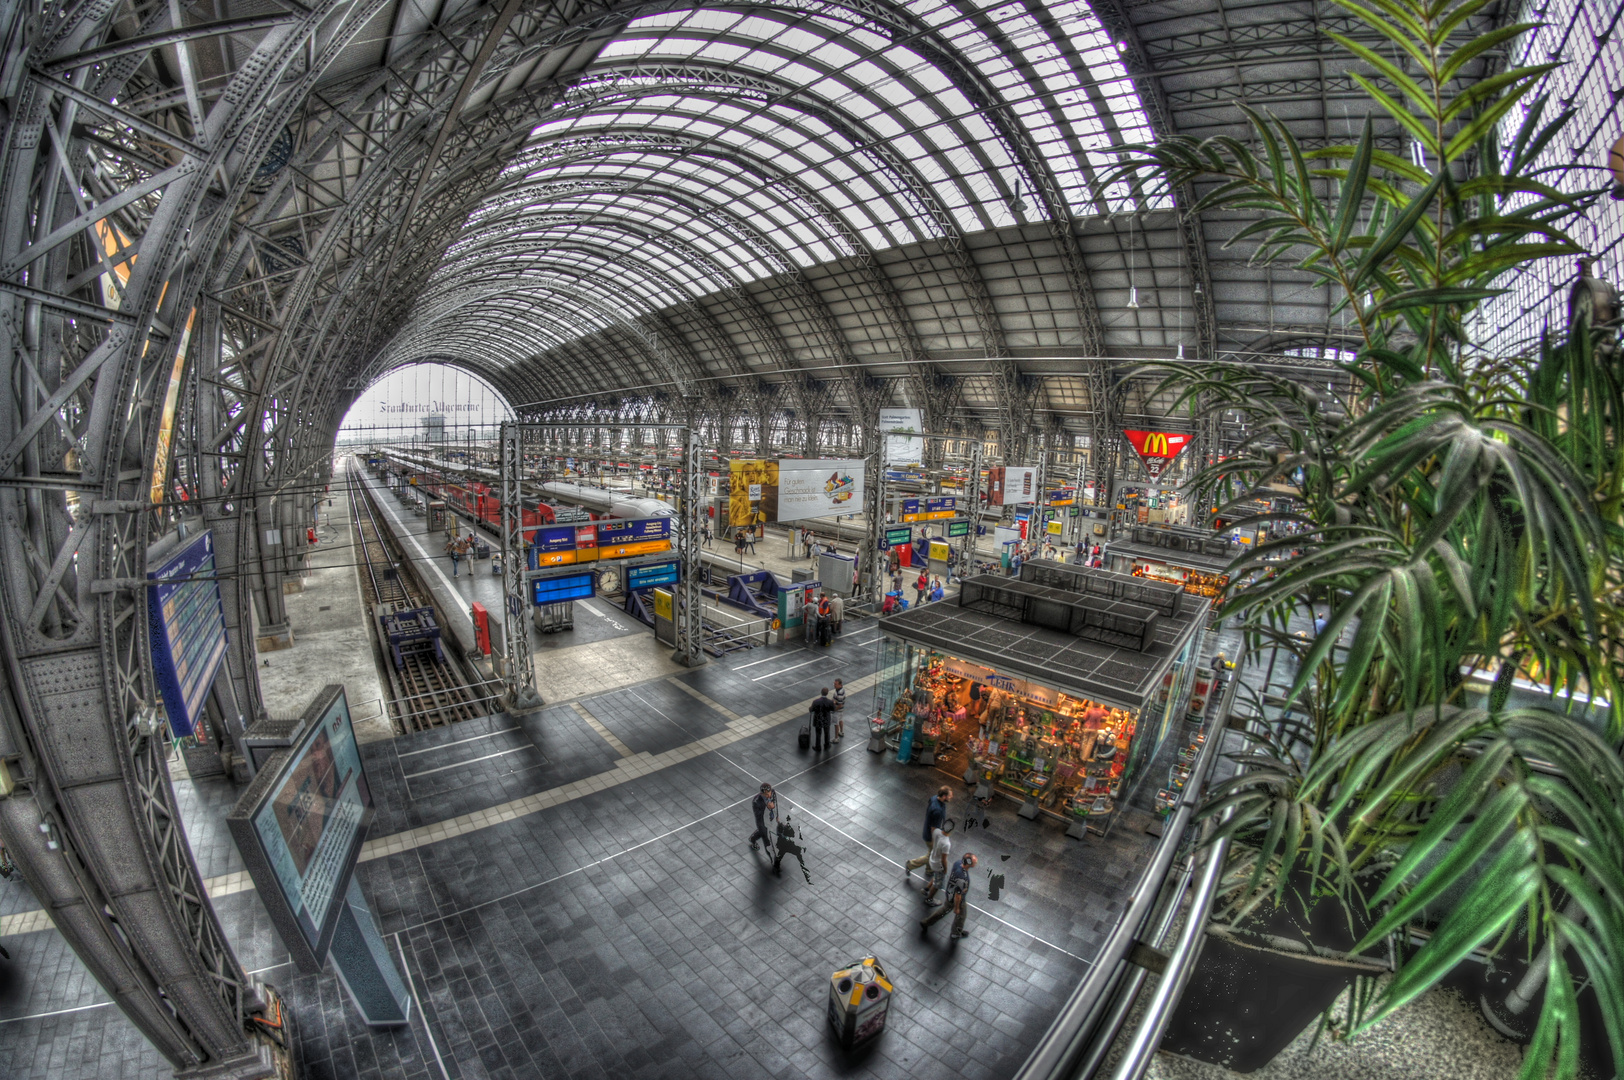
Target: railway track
{"x": 425, "y": 690}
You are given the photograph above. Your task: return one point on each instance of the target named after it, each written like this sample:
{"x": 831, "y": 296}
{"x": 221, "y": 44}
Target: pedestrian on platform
{"x": 936, "y": 590}
{"x": 958, "y": 899}
{"x": 823, "y": 711}
{"x": 455, "y": 551}
{"x": 935, "y": 814}
{"x": 738, "y": 543}
{"x": 896, "y": 580}
{"x": 705, "y": 531}
{"x": 921, "y": 588}
{"x": 837, "y": 607}
{"x": 839, "y": 698}
{"x": 941, "y": 859}
{"x": 765, "y": 807}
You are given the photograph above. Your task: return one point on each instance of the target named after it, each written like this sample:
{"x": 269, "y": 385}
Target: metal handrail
{"x": 1088, "y": 1022}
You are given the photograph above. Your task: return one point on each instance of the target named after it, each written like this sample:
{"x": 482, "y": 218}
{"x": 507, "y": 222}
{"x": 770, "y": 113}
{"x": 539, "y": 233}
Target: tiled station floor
{"x": 572, "y": 895}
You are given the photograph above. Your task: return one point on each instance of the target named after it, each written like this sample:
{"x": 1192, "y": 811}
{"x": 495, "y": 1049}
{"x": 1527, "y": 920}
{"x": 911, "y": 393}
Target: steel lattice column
{"x": 519, "y": 667}
{"x": 689, "y": 615}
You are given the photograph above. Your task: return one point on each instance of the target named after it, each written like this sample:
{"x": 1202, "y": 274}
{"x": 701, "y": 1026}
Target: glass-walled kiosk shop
{"x": 1055, "y": 690}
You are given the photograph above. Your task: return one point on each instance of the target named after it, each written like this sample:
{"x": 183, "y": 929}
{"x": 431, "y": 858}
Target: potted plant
{"x": 1460, "y": 510}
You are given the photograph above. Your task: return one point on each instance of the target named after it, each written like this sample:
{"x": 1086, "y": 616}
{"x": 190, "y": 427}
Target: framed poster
{"x": 300, "y": 826}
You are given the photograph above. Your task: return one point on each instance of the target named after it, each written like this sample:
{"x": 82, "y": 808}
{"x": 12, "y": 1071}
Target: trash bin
{"x": 859, "y": 1001}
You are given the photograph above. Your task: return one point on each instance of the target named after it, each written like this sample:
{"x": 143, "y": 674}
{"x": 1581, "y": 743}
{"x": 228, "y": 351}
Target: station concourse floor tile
{"x": 629, "y": 930}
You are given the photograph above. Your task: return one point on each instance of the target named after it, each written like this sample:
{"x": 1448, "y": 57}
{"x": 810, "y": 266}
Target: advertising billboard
{"x": 752, "y": 492}
{"x": 1157, "y": 449}
{"x": 899, "y": 448}
{"x": 188, "y": 631}
{"x": 1011, "y": 486}
{"x": 819, "y": 488}
{"x": 300, "y": 826}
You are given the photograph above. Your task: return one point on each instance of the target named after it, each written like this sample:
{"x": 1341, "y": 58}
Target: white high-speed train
{"x": 606, "y": 502}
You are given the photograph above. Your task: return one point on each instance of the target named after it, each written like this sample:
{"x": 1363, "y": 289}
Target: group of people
{"x": 459, "y": 548}
{"x": 925, "y": 588}
{"x": 824, "y": 620}
{"x": 943, "y": 873}
{"x": 826, "y": 710}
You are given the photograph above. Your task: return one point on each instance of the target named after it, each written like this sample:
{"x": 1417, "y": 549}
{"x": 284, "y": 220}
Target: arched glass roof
{"x": 702, "y": 150}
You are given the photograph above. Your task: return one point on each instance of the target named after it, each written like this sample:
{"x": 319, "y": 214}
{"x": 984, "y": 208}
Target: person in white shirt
{"x": 941, "y": 850}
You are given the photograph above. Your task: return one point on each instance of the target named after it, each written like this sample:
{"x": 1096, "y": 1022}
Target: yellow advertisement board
{"x": 752, "y": 491}
{"x": 662, "y": 603}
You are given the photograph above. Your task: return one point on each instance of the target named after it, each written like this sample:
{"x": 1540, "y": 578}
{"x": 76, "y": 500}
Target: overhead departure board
{"x": 631, "y": 530}
{"x": 647, "y": 577}
{"x": 188, "y": 631}
{"x": 561, "y": 587}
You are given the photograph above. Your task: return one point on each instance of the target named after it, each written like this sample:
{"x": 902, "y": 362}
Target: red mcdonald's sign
{"x": 1157, "y": 449}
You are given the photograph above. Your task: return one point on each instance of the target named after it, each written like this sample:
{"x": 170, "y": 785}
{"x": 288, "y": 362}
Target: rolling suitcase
{"x": 805, "y": 737}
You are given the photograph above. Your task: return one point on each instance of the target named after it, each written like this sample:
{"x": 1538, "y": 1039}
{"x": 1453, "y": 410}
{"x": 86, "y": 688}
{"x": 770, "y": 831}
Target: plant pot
{"x": 1254, "y": 991}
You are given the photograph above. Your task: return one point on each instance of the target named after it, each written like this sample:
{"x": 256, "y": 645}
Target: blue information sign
{"x": 631, "y": 530}
{"x": 577, "y": 585}
{"x": 554, "y": 538}
{"x": 910, "y": 506}
{"x": 647, "y": 577}
{"x": 188, "y": 631}
{"x": 938, "y": 503}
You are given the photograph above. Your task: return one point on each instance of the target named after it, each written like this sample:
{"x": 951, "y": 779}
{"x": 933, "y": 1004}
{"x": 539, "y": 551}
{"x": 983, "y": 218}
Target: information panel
{"x": 561, "y": 587}
{"x": 958, "y": 528}
{"x": 188, "y": 631}
{"x": 647, "y": 577}
{"x": 898, "y": 537}
{"x": 627, "y": 531}
{"x": 300, "y": 826}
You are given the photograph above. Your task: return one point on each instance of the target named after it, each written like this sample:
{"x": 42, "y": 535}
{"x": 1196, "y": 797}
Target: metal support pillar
{"x": 690, "y": 613}
{"x": 519, "y": 672}
{"x": 972, "y": 501}
{"x": 872, "y": 562}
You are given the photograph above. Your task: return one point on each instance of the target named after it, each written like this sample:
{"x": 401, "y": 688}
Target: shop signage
{"x": 898, "y": 537}
{"x": 958, "y": 528}
{"x": 1038, "y": 695}
{"x": 1157, "y": 449}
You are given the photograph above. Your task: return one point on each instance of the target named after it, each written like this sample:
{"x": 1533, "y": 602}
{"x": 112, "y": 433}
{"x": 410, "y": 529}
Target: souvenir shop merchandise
{"x": 1068, "y": 754}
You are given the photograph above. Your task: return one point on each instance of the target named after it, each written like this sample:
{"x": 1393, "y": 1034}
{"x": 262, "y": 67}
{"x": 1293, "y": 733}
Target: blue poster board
{"x": 938, "y": 503}
{"x": 188, "y": 631}
{"x": 300, "y": 827}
